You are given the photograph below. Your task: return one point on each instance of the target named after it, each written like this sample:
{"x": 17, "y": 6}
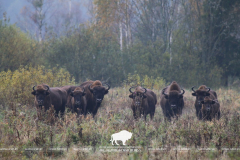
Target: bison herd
{"x": 88, "y": 97}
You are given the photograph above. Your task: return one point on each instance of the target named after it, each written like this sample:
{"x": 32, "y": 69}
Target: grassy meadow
{"x": 20, "y": 129}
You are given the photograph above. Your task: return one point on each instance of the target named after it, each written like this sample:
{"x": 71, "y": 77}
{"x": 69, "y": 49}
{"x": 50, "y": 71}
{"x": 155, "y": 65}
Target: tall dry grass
{"x": 20, "y": 128}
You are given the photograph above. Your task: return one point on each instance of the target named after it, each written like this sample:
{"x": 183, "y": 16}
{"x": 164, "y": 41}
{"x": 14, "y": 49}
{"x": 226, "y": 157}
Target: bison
{"x": 69, "y": 90}
{"x": 95, "y": 92}
{"x": 78, "y": 101}
{"x": 143, "y": 102}
{"x": 210, "y": 109}
{"x": 171, "y": 101}
{"x": 202, "y": 92}
{"x": 45, "y": 96}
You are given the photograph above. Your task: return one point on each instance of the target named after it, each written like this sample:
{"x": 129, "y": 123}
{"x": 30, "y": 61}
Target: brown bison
{"x": 172, "y": 101}
{"x": 45, "y": 96}
{"x": 95, "y": 92}
{"x": 210, "y": 109}
{"x": 78, "y": 101}
{"x": 69, "y": 90}
{"x": 143, "y": 103}
{"x": 202, "y": 92}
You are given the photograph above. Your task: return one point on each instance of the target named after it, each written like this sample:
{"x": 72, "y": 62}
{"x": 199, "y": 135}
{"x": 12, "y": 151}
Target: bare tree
{"x": 157, "y": 20}
{"x": 34, "y": 17}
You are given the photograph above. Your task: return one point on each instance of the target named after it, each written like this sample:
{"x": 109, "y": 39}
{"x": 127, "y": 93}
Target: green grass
{"x": 24, "y": 131}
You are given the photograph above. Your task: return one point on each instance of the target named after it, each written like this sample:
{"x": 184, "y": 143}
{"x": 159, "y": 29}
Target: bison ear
{"x": 34, "y": 92}
{"x": 106, "y": 92}
{"x": 131, "y": 96}
{"x": 47, "y": 93}
{"x": 202, "y": 102}
{"x": 207, "y": 94}
{"x": 71, "y": 94}
{"x": 194, "y": 94}
{"x": 144, "y": 96}
{"x": 83, "y": 94}
{"x": 213, "y": 102}
{"x": 180, "y": 96}
{"x": 166, "y": 96}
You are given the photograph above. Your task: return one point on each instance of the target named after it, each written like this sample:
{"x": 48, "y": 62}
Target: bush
{"x": 16, "y": 86}
{"x": 147, "y": 82}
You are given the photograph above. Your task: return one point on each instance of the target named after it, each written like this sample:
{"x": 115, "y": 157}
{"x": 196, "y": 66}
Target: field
{"x": 52, "y": 138}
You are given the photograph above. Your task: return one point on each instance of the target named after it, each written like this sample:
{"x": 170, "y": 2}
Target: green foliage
{"x": 87, "y": 56}
{"x": 16, "y": 86}
{"x": 147, "y": 82}
{"x": 17, "y": 48}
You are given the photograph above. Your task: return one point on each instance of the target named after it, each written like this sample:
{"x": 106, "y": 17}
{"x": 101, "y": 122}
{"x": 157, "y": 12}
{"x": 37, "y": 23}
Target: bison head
{"x": 99, "y": 92}
{"x": 174, "y": 98}
{"x": 137, "y": 96}
{"x": 207, "y": 104}
{"x": 78, "y": 93}
{"x": 40, "y": 93}
{"x": 200, "y": 94}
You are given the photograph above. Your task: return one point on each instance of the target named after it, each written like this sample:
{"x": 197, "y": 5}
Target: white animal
{"x": 122, "y": 136}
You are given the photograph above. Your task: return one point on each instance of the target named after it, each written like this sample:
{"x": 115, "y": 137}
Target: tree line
{"x": 193, "y": 42}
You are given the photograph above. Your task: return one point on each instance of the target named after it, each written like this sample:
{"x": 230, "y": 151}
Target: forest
{"x": 190, "y": 41}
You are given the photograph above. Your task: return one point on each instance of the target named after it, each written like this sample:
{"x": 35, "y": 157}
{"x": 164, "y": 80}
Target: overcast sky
{"x": 13, "y": 8}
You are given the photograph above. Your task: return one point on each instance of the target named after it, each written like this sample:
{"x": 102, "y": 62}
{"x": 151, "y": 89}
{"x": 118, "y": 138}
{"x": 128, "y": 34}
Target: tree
{"x": 34, "y": 17}
{"x": 16, "y": 48}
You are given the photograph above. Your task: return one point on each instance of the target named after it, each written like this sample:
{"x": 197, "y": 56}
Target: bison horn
{"x": 47, "y": 87}
{"x": 163, "y": 92}
{"x": 130, "y": 89}
{"x": 34, "y": 88}
{"x": 145, "y": 90}
{"x": 208, "y": 89}
{"x": 193, "y": 89}
{"x": 182, "y": 92}
{"x": 108, "y": 86}
{"x": 89, "y": 87}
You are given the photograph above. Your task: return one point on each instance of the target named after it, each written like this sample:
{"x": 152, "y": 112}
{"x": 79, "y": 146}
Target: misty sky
{"x": 13, "y": 8}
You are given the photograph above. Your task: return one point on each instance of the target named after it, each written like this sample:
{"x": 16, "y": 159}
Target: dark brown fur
{"x": 143, "y": 103}
{"x": 69, "y": 90}
{"x": 78, "y": 94}
{"x": 200, "y": 93}
{"x": 54, "y": 96}
{"x": 172, "y": 103}
{"x": 210, "y": 109}
{"x": 94, "y": 95}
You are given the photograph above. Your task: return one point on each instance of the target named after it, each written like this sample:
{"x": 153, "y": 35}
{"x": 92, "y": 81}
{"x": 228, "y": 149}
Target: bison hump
{"x": 202, "y": 87}
{"x": 96, "y": 83}
{"x": 174, "y": 86}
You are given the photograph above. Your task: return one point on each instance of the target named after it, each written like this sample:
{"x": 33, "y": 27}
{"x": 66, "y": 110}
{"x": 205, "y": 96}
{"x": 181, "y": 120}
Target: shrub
{"x": 147, "y": 82}
{"x": 16, "y": 86}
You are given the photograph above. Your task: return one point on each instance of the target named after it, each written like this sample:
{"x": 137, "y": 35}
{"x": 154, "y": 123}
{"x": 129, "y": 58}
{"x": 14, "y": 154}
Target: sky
{"x": 13, "y": 8}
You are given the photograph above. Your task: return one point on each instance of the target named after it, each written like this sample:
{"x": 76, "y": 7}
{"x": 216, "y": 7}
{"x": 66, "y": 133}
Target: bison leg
{"x": 145, "y": 117}
{"x": 56, "y": 113}
{"x": 124, "y": 142}
{"x": 167, "y": 118}
{"x": 62, "y": 111}
{"x": 94, "y": 112}
{"x": 151, "y": 115}
{"x": 218, "y": 116}
{"x": 199, "y": 115}
{"x": 116, "y": 142}
{"x": 112, "y": 142}
{"x": 134, "y": 114}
